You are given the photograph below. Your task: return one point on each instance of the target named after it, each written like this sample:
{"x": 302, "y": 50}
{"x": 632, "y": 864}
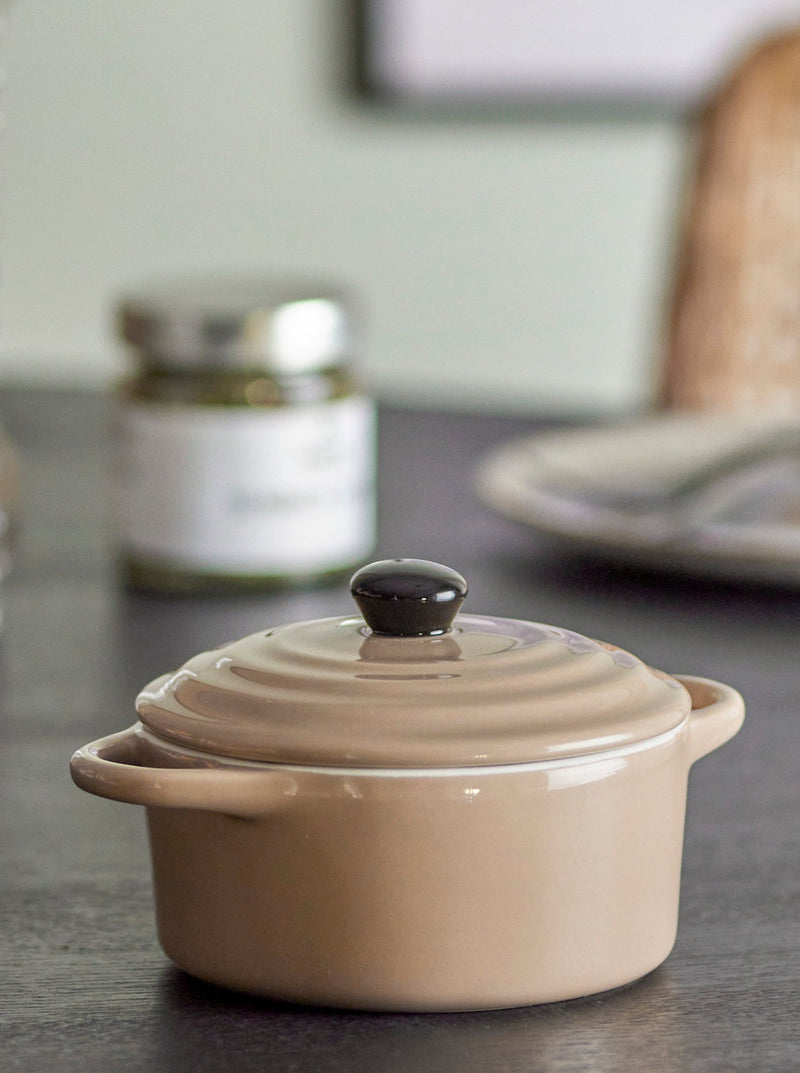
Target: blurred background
{"x": 504, "y": 260}
{"x": 510, "y": 258}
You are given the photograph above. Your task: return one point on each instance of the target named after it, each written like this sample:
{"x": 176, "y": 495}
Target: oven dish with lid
{"x": 415, "y": 809}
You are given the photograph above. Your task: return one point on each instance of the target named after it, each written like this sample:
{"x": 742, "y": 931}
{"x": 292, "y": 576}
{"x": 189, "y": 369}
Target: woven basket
{"x": 734, "y": 330}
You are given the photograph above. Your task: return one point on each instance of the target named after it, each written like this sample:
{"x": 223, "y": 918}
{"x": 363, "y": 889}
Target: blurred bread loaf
{"x": 734, "y": 331}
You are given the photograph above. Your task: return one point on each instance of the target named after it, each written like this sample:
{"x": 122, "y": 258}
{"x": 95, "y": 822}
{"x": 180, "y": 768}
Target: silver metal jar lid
{"x": 238, "y": 323}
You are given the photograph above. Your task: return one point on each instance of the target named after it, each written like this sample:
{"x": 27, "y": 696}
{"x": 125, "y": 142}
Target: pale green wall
{"x": 518, "y": 263}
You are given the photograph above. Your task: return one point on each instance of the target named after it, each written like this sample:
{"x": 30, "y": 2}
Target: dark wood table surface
{"x": 83, "y": 984}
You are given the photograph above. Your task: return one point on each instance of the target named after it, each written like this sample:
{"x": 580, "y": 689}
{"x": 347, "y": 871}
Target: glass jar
{"x": 245, "y": 446}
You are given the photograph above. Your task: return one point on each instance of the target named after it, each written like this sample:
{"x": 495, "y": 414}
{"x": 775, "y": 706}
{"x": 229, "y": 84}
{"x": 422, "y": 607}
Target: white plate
{"x": 613, "y": 490}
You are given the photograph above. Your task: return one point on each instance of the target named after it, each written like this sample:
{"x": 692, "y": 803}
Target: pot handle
{"x": 717, "y": 714}
{"x": 109, "y": 768}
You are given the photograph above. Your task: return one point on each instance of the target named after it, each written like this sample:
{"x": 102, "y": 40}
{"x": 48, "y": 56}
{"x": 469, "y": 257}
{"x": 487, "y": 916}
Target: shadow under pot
{"x": 415, "y": 809}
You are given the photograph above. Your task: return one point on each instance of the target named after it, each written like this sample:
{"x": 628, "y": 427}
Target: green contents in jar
{"x": 245, "y": 444}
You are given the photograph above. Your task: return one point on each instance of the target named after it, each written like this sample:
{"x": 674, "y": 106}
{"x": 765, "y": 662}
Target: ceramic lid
{"x": 410, "y": 683}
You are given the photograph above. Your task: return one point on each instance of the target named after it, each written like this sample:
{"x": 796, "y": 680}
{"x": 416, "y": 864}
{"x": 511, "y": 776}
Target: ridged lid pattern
{"x": 484, "y": 691}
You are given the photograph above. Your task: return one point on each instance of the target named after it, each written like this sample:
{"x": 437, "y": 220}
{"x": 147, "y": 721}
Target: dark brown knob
{"x": 408, "y": 597}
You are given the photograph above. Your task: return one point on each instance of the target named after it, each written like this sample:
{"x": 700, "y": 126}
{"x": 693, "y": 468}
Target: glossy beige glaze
{"x": 491, "y": 691}
{"x": 453, "y": 892}
{"x": 451, "y": 889}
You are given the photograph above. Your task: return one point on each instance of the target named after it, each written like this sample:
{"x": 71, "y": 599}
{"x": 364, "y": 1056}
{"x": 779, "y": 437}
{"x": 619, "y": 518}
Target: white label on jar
{"x": 247, "y": 491}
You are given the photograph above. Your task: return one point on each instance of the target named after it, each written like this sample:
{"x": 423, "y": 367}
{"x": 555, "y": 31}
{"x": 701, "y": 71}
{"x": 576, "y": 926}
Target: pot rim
{"x": 114, "y": 767}
{"x": 170, "y": 748}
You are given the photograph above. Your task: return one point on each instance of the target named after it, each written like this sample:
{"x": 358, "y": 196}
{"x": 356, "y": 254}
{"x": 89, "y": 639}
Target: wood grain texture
{"x": 83, "y": 984}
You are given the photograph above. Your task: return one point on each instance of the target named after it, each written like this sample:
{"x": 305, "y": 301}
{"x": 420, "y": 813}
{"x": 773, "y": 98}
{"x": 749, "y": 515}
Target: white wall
{"x": 516, "y": 263}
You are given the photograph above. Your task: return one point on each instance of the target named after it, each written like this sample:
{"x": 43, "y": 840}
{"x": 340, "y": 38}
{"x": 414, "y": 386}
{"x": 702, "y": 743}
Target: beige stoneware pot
{"x": 414, "y": 809}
